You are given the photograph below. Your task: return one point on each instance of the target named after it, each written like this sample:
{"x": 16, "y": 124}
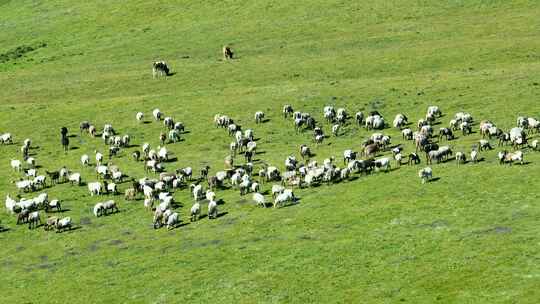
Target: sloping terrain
{"x": 471, "y": 236}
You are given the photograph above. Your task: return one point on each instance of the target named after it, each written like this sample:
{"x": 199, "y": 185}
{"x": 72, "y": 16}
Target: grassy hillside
{"x": 469, "y": 237}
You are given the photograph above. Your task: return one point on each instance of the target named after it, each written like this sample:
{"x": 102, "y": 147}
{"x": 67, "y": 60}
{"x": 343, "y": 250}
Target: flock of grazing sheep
{"x": 157, "y": 190}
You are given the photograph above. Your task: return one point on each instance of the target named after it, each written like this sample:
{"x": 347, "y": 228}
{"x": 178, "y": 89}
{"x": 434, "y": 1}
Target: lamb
{"x": 173, "y": 220}
{"x": 92, "y": 130}
{"x": 212, "y": 210}
{"x": 259, "y": 199}
{"x": 94, "y": 188}
{"x": 16, "y": 165}
{"x": 34, "y": 220}
{"x": 259, "y": 116}
{"x": 425, "y": 174}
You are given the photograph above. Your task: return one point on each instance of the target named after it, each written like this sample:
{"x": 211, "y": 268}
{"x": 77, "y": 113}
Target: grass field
{"x": 470, "y": 237}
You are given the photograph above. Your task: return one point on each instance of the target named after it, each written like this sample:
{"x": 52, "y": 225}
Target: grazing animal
{"x": 195, "y": 212}
{"x": 474, "y": 156}
{"x": 227, "y": 52}
{"x": 212, "y": 210}
{"x": 34, "y": 220}
{"x": 63, "y": 224}
{"x": 259, "y": 199}
{"x": 160, "y": 68}
{"x": 426, "y": 174}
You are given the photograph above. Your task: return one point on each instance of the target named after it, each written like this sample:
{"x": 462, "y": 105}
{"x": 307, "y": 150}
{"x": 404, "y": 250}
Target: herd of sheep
{"x": 157, "y": 190}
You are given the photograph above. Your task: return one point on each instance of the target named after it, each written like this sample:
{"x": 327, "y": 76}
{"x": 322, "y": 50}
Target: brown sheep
{"x": 371, "y": 150}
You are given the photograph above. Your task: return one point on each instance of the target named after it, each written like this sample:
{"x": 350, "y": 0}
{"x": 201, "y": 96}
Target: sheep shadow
{"x": 170, "y": 74}
{"x": 70, "y": 230}
{"x": 72, "y": 135}
{"x": 147, "y": 122}
{"x": 73, "y": 148}
{"x": 171, "y": 160}
{"x": 59, "y": 211}
{"x": 222, "y": 214}
{"x": 433, "y": 180}
{"x": 220, "y": 202}
{"x": 4, "y": 229}
{"x": 353, "y": 178}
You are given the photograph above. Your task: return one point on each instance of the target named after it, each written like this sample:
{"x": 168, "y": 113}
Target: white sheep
{"x": 99, "y": 158}
{"x": 16, "y": 165}
{"x": 173, "y": 220}
{"x": 210, "y": 195}
{"x": 197, "y": 191}
{"x": 94, "y": 188}
{"x": 10, "y": 204}
{"x": 259, "y": 199}
{"x": 474, "y": 156}
{"x": 383, "y": 163}
{"x": 335, "y": 129}
{"x": 157, "y": 114}
{"x": 212, "y": 210}
{"x": 195, "y": 212}
{"x": 6, "y": 138}
{"x": 99, "y": 209}
{"x": 139, "y": 116}
{"x": 85, "y": 160}
{"x": 31, "y": 162}
{"x": 63, "y": 224}
{"x": 259, "y": 116}
{"x": 75, "y": 178}
{"x": 286, "y": 196}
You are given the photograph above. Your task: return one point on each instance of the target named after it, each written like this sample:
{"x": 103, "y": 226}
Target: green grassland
{"x": 470, "y": 237}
